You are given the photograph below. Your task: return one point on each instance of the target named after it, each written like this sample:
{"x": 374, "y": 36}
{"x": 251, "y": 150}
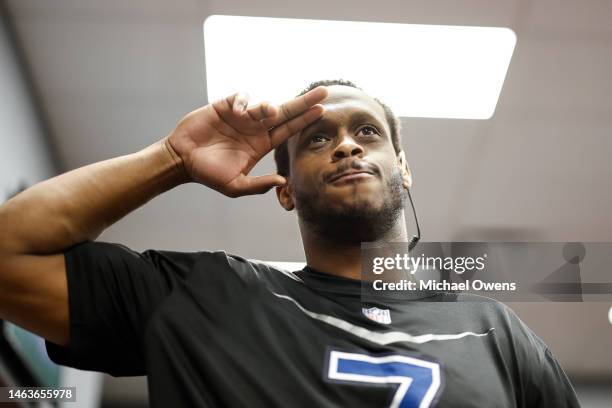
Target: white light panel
{"x": 431, "y": 71}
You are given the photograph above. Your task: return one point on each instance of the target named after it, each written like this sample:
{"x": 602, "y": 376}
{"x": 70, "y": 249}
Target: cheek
{"x": 306, "y": 177}
{"x": 387, "y": 163}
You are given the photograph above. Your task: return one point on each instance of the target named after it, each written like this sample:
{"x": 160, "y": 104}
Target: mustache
{"x": 357, "y": 165}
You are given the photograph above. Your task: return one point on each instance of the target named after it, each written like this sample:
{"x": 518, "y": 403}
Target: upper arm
{"x": 544, "y": 383}
{"x": 112, "y": 293}
{"x": 34, "y": 295}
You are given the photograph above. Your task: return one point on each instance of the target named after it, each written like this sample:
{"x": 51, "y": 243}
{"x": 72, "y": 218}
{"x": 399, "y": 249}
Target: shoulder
{"x": 485, "y": 304}
{"x": 479, "y": 306}
{"x": 262, "y": 271}
{"x": 227, "y": 267}
{"x": 508, "y": 325}
{"x": 540, "y": 377}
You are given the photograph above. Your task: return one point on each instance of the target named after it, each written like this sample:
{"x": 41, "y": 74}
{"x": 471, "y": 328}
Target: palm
{"x": 222, "y": 142}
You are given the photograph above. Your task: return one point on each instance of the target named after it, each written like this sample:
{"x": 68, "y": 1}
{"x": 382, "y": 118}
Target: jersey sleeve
{"x": 112, "y": 292}
{"x": 551, "y": 387}
{"x": 543, "y": 382}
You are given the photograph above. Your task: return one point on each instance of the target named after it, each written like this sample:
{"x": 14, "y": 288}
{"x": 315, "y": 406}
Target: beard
{"x": 354, "y": 223}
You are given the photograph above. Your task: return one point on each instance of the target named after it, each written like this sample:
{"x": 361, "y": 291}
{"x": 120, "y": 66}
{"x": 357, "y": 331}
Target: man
{"x": 212, "y": 329}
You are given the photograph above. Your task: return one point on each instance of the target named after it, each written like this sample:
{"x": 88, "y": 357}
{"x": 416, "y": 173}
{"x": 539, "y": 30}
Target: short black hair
{"x": 281, "y": 152}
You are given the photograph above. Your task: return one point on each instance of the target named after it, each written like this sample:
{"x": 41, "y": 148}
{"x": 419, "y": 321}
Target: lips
{"x": 350, "y": 173}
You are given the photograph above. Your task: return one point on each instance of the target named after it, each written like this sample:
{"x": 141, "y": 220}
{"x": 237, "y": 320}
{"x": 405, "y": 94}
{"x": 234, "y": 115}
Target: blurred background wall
{"x": 107, "y": 78}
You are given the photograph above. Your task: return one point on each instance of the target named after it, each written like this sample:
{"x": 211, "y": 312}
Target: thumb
{"x": 248, "y": 185}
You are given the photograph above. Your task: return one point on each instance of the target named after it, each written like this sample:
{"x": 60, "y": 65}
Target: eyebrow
{"x": 359, "y": 116}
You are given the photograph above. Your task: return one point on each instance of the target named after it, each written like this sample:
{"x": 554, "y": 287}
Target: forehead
{"x": 343, "y": 100}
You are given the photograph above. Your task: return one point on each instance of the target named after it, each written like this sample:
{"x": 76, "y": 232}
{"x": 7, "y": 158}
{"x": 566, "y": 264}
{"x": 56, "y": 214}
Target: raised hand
{"x": 220, "y": 143}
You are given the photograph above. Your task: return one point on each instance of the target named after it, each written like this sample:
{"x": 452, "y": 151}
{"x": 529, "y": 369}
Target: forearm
{"x": 77, "y": 206}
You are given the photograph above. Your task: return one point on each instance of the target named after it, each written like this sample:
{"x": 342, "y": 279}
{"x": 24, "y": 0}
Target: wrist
{"x": 180, "y": 174}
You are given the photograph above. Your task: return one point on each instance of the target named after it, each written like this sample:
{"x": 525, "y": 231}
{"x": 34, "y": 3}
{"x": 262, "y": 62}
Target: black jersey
{"x": 211, "y": 329}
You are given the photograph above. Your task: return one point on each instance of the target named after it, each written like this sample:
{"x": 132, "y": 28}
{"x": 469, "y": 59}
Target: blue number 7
{"x": 418, "y": 380}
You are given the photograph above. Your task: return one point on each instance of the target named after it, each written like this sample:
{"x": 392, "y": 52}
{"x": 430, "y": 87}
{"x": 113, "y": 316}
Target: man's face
{"x": 344, "y": 169}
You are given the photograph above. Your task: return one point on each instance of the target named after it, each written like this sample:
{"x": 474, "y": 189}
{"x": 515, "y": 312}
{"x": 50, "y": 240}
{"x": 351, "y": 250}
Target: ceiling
{"x": 115, "y": 76}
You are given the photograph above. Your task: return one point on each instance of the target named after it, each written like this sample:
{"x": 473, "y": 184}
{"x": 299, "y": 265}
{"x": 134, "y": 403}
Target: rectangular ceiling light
{"x": 430, "y": 71}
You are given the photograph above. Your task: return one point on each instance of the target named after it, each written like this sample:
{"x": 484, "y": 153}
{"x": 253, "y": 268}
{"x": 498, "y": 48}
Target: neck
{"x": 344, "y": 259}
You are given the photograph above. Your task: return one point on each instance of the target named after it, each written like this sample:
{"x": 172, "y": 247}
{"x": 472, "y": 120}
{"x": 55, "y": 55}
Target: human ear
{"x": 405, "y": 170}
{"x": 285, "y": 196}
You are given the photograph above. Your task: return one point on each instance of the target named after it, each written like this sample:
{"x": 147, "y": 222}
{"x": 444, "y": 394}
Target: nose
{"x": 347, "y": 148}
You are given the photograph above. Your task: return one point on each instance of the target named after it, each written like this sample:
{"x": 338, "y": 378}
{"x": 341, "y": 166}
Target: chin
{"x": 359, "y": 204}
{"x": 356, "y": 193}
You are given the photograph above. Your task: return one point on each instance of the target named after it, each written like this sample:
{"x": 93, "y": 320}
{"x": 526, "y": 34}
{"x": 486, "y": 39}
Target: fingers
{"x": 296, "y": 106}
{"x": 233, "y": 112}
{"x": 248, "y": 185}
{"x": 282, "y": 122}
{"x": 281, "y": 133}
{"x": 233, "y": 105}
{"x": 240, "y": 103}
{"x": 262, "y": 111}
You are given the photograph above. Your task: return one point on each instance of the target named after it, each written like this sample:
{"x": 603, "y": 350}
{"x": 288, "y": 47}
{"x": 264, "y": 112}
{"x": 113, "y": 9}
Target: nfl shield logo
{"x": 378, "y": 315}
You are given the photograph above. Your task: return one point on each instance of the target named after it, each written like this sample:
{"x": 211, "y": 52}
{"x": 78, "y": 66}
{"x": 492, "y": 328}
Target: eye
{"x": 369, "y": 130}
{"x": 318, "y": 138}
